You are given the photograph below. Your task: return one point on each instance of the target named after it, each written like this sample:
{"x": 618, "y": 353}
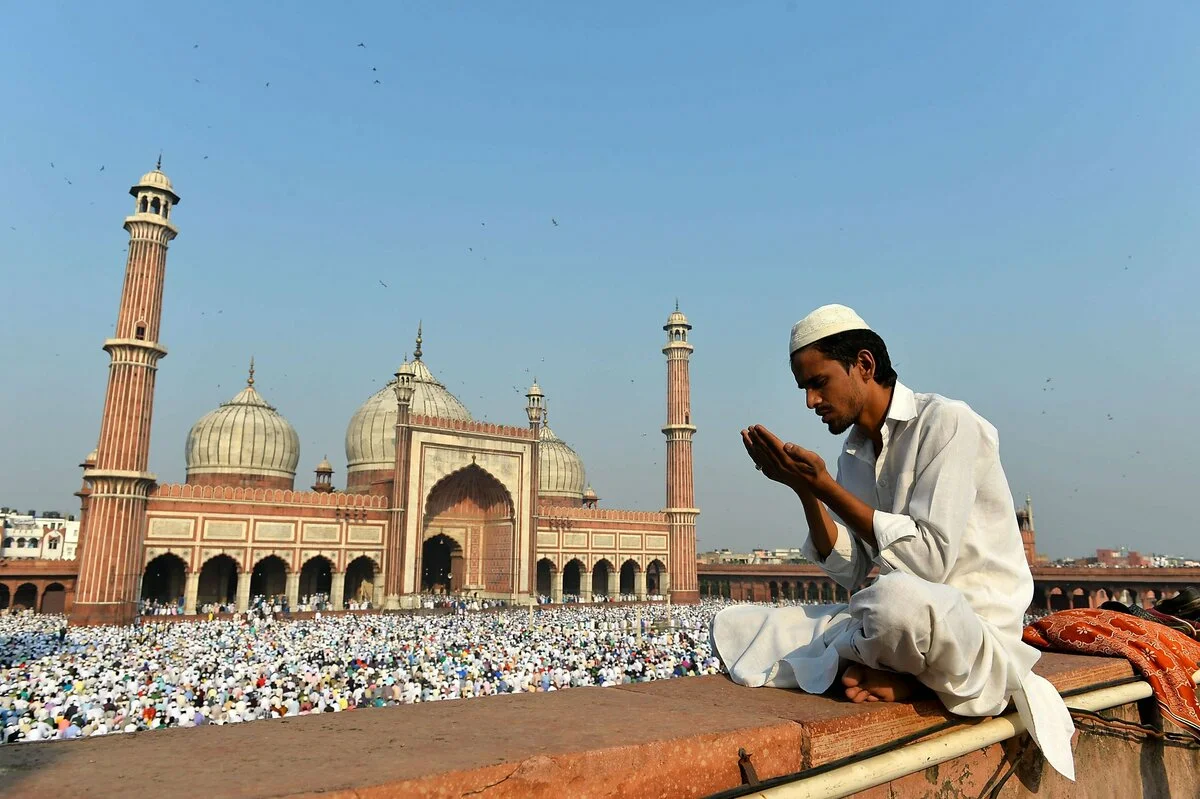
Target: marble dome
{"x": 560, "y": 469}
{"x": 245, "y": 436}
{"x": 371, "y": 434}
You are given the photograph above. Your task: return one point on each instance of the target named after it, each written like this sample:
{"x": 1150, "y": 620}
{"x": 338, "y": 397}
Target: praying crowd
{"x": 70, "y": 682}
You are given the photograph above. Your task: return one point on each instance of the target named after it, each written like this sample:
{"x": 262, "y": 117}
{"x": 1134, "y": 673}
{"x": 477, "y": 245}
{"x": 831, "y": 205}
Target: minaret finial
{"x": 250, "y": 379}
{"x": 676, "y": 303}
{"x": 417, "y": 351}
{"x": 158, "y": 166}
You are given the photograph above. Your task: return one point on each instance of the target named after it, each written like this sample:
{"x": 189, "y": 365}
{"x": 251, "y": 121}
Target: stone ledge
{"x": 670, "y": 738}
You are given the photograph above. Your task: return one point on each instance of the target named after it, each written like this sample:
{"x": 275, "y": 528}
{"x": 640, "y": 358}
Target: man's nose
{"x": 811, "y": 398}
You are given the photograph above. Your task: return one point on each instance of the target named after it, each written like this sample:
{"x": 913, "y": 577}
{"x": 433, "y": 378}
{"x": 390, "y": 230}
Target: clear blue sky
{"x": 1008, "y": 195}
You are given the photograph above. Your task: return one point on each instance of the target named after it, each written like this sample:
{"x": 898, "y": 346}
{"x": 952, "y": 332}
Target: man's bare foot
{"x": 864, "y": 684}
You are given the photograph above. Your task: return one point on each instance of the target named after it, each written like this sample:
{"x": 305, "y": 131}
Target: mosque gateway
{"x": 434, "y": 501}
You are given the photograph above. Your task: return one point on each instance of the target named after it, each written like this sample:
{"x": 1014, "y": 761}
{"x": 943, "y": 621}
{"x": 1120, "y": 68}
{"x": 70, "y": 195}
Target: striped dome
{"x": 371, "y": 434}
{"x": 560, "y": 469}
{"x": 244, "y": 436}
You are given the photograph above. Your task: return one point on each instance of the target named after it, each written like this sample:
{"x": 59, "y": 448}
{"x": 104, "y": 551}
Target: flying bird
{"x": 52, "y": 165}
{"x": 194, "y": 46}
{"x": 206, "y": 158}
{"x": 555, "y": 221}
{"x": 385, "y": 285}
{"x": 378, "y": 81}
{"x": 360, "y": 44}
{"x": 268, "y": 84}
{"x": 102, "y": 167}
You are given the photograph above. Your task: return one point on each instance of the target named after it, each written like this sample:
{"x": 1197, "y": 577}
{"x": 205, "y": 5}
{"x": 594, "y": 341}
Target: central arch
{"x": 473, "y": 510}
{"x": 441, "y": 565}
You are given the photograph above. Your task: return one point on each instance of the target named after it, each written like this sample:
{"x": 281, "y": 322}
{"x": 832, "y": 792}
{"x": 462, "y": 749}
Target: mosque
{"x": 434, "y": 500}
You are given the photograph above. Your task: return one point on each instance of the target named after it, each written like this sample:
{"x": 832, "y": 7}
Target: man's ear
{"x": 866, "y": 363}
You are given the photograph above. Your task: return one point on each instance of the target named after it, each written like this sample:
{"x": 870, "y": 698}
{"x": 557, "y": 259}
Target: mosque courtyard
{"x": 60, "y": 682}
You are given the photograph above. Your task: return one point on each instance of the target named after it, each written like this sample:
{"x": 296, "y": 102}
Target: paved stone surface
{"x": 670, "y": 738}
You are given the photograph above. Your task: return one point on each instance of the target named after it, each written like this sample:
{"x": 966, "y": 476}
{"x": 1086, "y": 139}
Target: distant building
{"x": 48, "y": 536}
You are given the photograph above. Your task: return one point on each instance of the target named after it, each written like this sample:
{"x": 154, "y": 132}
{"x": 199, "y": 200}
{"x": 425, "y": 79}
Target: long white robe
{"x": 953, "y": 588}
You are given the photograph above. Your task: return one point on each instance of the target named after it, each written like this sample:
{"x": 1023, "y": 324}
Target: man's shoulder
{"x": 935, "y": 411}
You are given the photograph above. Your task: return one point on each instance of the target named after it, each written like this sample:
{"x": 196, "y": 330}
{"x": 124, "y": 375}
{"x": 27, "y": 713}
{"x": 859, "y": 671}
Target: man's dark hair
{"x": 844, "y": 348}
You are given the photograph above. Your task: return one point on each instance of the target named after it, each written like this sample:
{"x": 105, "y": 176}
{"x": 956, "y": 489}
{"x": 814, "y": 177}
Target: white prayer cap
{"x": 825, "y": 321}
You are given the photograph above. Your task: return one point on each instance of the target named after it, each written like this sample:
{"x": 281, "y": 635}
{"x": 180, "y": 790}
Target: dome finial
{"x": 417, "y": 352}
{"x": 677, "y": 303}
{"x": 250, "y": 379}
{"x": 158, "y": 165}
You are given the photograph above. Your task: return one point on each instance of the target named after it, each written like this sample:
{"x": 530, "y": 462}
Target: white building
{"x": 50, "y": 536}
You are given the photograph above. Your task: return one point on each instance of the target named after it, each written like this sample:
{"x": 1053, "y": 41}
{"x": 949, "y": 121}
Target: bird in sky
{"x": 385, "y": 285}
{"x": 378, "y": 81}
{"x": 102, "y": 167}
{"x": 555, "y": 221}
{"x": 360, "y": 44}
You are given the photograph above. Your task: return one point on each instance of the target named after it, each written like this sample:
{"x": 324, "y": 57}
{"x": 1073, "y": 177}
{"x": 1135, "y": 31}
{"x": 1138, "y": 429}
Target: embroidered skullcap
{"x": 825, "y": 321}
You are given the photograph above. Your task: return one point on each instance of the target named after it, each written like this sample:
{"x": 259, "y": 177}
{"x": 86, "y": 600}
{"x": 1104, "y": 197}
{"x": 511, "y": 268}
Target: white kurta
{"x": 954, "y": 584}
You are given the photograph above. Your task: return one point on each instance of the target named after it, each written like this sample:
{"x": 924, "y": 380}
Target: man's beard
{"x": 839, "y": 426}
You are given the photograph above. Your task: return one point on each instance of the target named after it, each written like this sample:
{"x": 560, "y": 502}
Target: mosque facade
{"x": 433, "y": 499}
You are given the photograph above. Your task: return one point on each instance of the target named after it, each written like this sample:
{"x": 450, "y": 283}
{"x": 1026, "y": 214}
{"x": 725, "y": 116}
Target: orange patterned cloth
{"x": 1166, "y": 658}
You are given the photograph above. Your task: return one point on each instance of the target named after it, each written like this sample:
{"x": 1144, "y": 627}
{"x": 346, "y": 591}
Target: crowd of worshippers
{"x": 571, "y": 599}
{"x": 258, "y": 604}
{"x": 68, "y": 682}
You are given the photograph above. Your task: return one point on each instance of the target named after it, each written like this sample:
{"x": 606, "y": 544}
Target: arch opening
{"x": 545, "y": 577}
{"x": 572, "y": 578}
{"x": 474, "y": 509}
{"x": 316, "y": 579}
{"x": 441, "y": 565}
{"x": 360, "y": 581}
{"x": 163, "y": 581}
{"x": 54, "y": 598}
{"x": 218, "y": 582}
{"x": 26, "y": 597}
{"x": 629, "y": 571}
{"x": 269, "y": 578}
{"x": 600, "y": 578}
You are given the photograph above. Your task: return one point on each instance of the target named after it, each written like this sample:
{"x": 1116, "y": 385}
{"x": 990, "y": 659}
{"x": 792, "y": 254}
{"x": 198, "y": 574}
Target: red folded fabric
{"x": 1166, "y": 658}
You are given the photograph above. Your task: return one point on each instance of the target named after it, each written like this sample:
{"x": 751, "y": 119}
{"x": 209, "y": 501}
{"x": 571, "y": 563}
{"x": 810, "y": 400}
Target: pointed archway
{"x": 316, "y": 577}
{"x": 473, "y": 509}
{"x": 163, "y": 579}
{"x": 269, "y": 578}
{"x": 218, "y": 582}
{"x": 545, "y": 577}
{"x": 572, "y": 578}
{"x": 360, "y": 581}
{"x": 441, "y": 565}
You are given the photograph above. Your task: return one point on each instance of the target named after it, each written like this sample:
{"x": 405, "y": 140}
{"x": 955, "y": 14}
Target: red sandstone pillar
{"x": 110, "y": 569}
{"x": 393, "y": 556}
{"x": 681, "y": 508}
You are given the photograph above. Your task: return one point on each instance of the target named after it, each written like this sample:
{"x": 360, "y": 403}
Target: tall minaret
{"x": 681, "y": 499}
{"x": 110, "y": 568}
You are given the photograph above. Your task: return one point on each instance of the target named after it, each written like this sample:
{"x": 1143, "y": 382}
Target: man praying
{"x": 919, "y": 494}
